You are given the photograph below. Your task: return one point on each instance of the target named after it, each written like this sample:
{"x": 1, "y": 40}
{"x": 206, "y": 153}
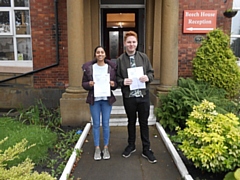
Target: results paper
{"x": 102, "y": 85}
{"x": 134, "y": 74}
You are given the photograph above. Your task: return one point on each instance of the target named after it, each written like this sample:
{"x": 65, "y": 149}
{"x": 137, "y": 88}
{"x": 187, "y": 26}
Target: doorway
{"x": 115, "y": 22}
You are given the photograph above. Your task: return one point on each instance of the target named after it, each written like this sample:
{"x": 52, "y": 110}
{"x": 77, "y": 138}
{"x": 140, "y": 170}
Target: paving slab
{"x": 133, "y": 168}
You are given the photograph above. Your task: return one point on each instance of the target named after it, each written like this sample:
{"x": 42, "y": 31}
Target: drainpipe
{"x": 57, "y": 49}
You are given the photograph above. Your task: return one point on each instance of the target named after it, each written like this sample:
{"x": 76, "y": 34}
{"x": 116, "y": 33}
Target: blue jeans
{"x": 101, "y": 108}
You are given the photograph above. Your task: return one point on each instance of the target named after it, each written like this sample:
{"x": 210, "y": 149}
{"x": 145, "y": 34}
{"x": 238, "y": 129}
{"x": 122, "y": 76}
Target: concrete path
{"x": 133, "y": 168}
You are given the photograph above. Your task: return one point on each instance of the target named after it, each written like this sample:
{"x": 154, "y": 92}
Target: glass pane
{"x": 24, "y": 49}
{"x": 21, "y": 3}
{"x": 235, "y": 46}
{"x": 236, "y": 24}
{"x": 5, "y": 3}
{"x": 22, "y": 22}
{"x": 4, "y": 22}
{"x": 113, "y": 44}
{"x": 120, "y": 20}
{"x": 6, "y": 49}
{"x": 236, "y": 4}
{"x": 122, "y": 2}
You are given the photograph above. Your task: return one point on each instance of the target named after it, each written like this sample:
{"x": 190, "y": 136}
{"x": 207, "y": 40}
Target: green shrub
{"x": 233, "y": 175}
{"x": 39, "y": 114}
{"x": 23, "y": 170}
{"x": 175, "y": 106}
{"x": 215, "y": 63}
{"x": 211, "y": 140}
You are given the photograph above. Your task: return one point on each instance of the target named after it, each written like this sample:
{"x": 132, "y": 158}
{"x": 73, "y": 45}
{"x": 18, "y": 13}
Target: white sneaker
{"x": 106, "y": 154}
{"x": 97, "y": 154}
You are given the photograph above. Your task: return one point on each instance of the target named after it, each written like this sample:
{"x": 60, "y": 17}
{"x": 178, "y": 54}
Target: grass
{"x": 16, "y": 131}
{"x": 40, "y": 126}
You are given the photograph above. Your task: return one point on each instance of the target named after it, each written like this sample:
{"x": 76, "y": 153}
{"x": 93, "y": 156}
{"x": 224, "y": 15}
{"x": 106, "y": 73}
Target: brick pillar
{"x": 169, "y": 48}
{"x": 74, "y": 110}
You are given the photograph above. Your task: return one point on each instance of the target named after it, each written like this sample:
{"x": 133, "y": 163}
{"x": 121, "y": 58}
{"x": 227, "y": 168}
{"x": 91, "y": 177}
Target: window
{"x": 15, "y": 33}
{"x": 235, "y": 30}
{"x": 122, "y": 2}
{"x": 120, "y": 20}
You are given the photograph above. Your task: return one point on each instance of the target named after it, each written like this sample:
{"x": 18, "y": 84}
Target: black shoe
{"x": 149, "y": 156}
{"x": 128, "y": 151}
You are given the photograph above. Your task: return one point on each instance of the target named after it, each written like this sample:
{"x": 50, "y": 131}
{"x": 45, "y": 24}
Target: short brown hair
{"x": 130, "y": 33}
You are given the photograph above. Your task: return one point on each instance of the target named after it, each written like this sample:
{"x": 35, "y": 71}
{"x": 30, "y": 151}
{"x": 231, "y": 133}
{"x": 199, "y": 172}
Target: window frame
{"x": 27, "y": 65}
{"x": 235, "y": 36}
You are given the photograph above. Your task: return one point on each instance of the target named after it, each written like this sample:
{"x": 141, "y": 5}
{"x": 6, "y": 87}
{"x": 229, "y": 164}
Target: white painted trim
{"x": 72, "y": 159}
{"x": 177, "y": 159}
{"x": 13, "y": 63}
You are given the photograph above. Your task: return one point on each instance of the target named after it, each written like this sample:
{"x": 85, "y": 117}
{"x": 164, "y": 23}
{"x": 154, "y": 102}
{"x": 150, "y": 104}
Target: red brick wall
{"x": 44, "y": 46}
{"x": 187, "y": 46}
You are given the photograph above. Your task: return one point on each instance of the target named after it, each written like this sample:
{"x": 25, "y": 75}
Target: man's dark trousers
{"x": 138, "y": 107}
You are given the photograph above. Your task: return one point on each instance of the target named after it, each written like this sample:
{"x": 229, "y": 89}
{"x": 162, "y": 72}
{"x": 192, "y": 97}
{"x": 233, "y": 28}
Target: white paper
{"x": 102, "y": 85}
{"x": 134, "y": 74}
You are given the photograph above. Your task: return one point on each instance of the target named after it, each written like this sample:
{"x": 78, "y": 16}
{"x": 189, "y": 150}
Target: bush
{"x": 39, "y": 114}
{"x": 175, "y": 106}
{"x": 233, "y": 175}
{"x": 23, "y": 170}
{"x": 211, "y": 140}
{"x": 215, "y": 63}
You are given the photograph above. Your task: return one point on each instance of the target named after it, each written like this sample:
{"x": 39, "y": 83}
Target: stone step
{"x": 123, "y": 121}
{"x": 117, "y": 92}
{"x": 118, "y": 115}
{"x": 121, "y": 110}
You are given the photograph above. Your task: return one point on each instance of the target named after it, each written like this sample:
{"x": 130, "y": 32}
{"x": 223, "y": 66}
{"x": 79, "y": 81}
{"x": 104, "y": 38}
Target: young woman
{"x": 100, "y": 106}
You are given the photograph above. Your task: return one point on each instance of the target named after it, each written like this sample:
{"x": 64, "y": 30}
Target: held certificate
{"x": 134, "y": 74}
{"x": 102, "y": 85}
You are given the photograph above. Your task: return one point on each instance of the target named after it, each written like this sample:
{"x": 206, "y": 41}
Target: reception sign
{"x": 199, "y": 21}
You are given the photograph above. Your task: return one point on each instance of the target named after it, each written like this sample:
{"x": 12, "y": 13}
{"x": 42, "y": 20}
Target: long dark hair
{"x": 95, "y": 50}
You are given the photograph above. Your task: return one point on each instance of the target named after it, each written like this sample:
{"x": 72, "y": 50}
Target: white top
{"x": 100, "y": 70}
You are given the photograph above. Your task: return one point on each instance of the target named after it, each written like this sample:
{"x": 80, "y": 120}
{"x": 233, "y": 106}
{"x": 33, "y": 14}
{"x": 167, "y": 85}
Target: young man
{"x": 136, "y": 102}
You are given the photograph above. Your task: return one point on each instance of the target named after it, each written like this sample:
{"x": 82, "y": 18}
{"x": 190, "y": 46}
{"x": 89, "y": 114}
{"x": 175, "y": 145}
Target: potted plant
{"x": 229, "y": 13}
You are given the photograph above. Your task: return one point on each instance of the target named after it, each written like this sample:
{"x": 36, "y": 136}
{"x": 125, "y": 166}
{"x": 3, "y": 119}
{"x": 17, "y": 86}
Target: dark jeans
{"x": 138, "y": 107}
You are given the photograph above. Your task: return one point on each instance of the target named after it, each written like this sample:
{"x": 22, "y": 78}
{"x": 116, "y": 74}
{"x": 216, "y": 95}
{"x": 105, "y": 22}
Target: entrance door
{"x": 115, "y": 22}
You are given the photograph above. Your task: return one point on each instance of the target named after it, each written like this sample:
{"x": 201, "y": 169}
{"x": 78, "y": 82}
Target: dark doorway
{"x": 115, "y": 22}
